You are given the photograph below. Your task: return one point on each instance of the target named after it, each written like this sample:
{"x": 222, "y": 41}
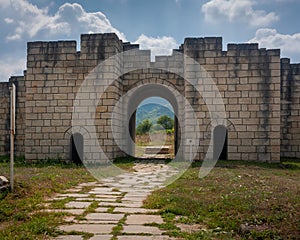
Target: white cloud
{"x": 23, "y": 21}
{"x": 158, "y": 46}
{"x": 8, "y": 20}
{"x": 237, "y": 10}
{"x": 270, "y": 38}
{"x": 29, "y": 21}
{"x": 11, "y": 66}
{"x": 72, "y": 17}
{"x": 26, "y": 22}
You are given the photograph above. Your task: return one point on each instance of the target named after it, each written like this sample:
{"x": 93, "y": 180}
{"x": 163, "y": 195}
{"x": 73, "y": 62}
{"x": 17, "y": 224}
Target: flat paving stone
{"x": 105, "y": 199}
{"x": 114, "y": 196}
{"x": 138, "y": 229}
{"x": 101, "y": 209}
{"x": 134, "y": 210}
{"x": 69, "y": 237}
{"x": 69, "y": 219}
{"x": 89, "y": 184}
{"x": 145, "y": 190}
{"x": 77, "y": 204}
{"x": 101, "y": 237}
{"x": 89, "y": 228}
{"x": 136, "y": 237}
{"x": 137, "y": 203}
{"x": 74, "y": 195}
{"x": 134, "y": 198}
{"x": 115, "y": 204}
{"x": 141, "y": 219}
{"x": 104, "y": 217}
{"x": 85, "y": 199}
{"x": 71, "y": 211}
{"x": 101, "y": 190}
{"x": 106, "y": 193}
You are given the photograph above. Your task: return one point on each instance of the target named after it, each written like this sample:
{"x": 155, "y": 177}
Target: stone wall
{"x": 55, "y": 71}
{"x": 290, "y": 109}
{"x": 251, "y": 80}
{"x": 5, "y": 116}
{"x": 248, "y": 79}
{"x": 4, "y": 119}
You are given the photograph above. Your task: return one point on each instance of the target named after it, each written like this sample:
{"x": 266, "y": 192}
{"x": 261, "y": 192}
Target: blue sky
{"x": 159, "y": 25}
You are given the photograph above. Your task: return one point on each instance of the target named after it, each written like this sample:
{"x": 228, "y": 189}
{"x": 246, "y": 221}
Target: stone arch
{"x": 153, "y": 80}
{"x": 225, "y": 122}
{"x": 152, "y": 88}
{"x": 76, "y": 141}
{"x": 225, "y": 128}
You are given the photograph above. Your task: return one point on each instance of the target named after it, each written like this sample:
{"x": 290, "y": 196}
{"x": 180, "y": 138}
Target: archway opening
{"x": 220, "y": 143}
{"x": 153, "y": 128}
{"x": 77, "y": 149}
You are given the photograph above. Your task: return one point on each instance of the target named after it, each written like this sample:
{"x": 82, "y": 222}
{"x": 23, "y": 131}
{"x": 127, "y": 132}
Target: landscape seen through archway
{"x": 154, "y": 133}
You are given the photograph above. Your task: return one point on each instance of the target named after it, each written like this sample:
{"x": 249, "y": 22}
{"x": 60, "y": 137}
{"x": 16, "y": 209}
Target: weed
{"x": 118, "y": 229}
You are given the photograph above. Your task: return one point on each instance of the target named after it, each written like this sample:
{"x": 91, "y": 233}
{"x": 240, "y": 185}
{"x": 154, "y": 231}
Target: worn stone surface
{"x": 134, "y": 210}
{"x": 260, "y": 92}
{"x": 134, "y": 237}
{"x": 78, "y": 204}
{"x": 71, "y": 211}
{"x": 101, "y": 237}
{"x": 75, "y": 195}
{"x": 104, "y": 217}
{"x": 136, "y": 219}
{"x": 70, "y": 237}
{"x": 101, "y": 209}
{"x": 138, "y": 229}
{"x": 89, "y": 228}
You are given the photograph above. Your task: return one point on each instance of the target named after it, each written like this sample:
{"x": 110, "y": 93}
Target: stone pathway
{"x": 112, "y": 208}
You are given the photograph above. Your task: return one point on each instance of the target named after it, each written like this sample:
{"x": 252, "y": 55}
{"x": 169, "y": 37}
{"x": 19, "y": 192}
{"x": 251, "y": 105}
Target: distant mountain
{"x": 152, "y": 112}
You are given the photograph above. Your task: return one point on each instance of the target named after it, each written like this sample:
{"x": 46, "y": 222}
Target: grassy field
{"x": 237, "y": 200}
{"x": 19, "y": 216}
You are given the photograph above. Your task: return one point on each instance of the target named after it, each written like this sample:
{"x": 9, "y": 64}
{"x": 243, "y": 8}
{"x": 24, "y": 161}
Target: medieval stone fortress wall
{"x": 260, "y": 91}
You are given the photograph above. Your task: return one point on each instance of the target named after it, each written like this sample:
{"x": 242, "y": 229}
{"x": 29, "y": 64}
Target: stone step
{"x": 157, "y": 150}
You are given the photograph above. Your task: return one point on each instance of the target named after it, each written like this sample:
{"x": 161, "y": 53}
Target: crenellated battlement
{"x": 202, "y": 44}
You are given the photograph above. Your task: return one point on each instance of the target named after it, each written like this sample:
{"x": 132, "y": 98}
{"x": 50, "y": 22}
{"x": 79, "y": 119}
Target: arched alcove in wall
{"x": 77, "y": 148}
{"x": 220, "y": 143}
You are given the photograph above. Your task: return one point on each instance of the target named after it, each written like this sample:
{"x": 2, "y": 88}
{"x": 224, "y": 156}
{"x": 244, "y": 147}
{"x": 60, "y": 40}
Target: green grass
{"x": 125, "y": 163}
{"x": 60, "y": 204}
{"x": 234, "y": 193}
{"x": 264, "y": 196}
{"x": 34, "y": 183}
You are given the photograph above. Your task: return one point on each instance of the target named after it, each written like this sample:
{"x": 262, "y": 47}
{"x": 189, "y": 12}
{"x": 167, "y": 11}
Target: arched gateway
{"x": 259, "y": 91}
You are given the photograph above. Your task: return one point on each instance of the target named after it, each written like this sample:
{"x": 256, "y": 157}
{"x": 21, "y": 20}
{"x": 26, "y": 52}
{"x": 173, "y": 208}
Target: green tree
{"x": 166, "y": 122}
{"x": 143, "y": 127}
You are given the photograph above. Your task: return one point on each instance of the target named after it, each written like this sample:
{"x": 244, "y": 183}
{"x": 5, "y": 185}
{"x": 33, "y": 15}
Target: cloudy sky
{"x": 157, "y": 24}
